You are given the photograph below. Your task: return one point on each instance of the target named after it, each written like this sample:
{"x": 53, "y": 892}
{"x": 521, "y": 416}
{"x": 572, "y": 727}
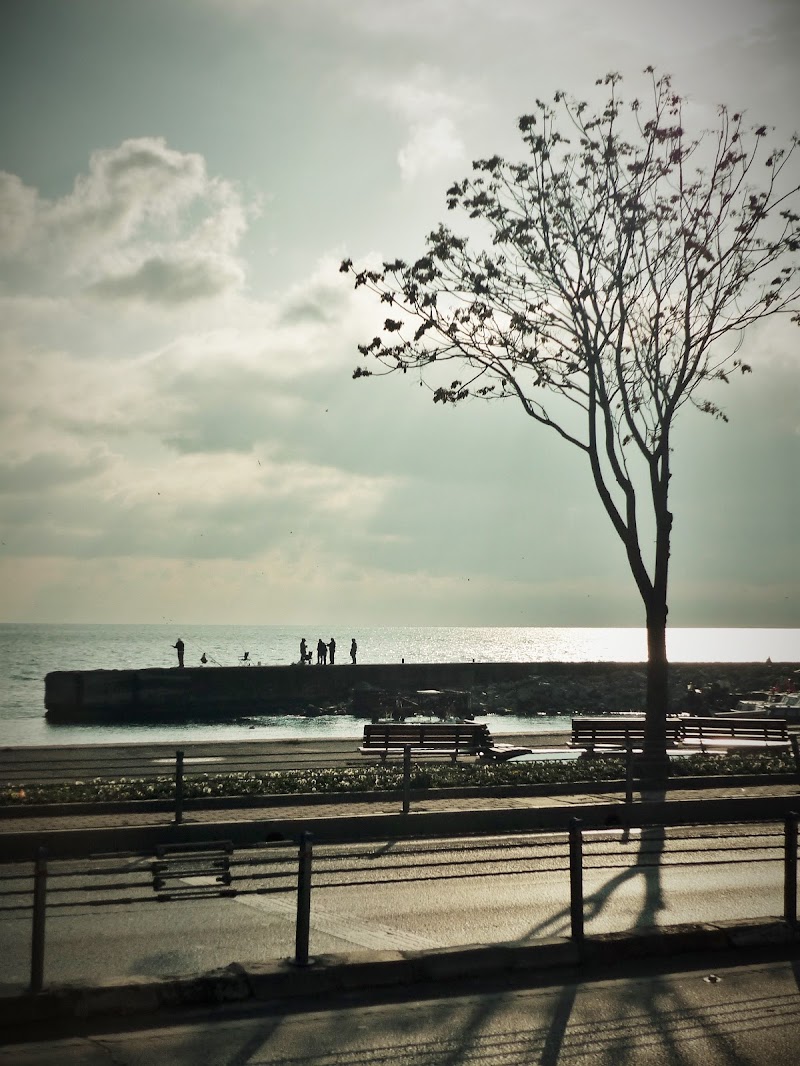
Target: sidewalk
{"x": 561, "y": 958}
{"x": 667, "y": 1011}
{"x": 376, "y": 817}
{"x": 299, "y": 808}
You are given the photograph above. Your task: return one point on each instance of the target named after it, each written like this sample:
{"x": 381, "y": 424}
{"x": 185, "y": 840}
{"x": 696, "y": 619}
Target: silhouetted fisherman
{"x": 353, "y": 651}
{"x": 332, "y": 649}
{"x": 178, "y": 646}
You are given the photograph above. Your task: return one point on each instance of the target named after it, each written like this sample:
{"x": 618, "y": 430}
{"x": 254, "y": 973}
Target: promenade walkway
{"x": 293, "y": 810}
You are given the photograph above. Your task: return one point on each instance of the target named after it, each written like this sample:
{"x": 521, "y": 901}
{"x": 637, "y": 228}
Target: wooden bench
{"x": 435, "y": 740}
{"x": 610, "y": 735}
{"x": 616, "y": 734}
{"x": 730, "y": 733}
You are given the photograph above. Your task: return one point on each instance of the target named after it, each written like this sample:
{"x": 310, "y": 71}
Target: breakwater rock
{"x": 616, "y": 688}
{"x": 520, "y": 688}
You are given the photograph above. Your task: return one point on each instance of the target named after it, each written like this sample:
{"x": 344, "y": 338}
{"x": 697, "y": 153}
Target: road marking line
{"x": 191, "y": 758}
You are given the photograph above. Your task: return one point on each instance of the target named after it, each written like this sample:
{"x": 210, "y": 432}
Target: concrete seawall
{"x": 220, "y": 692}
{"x": 255, "y": 689}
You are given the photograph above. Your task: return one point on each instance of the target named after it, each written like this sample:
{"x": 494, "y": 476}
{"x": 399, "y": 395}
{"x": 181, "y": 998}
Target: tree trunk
{"x": 655, "y": 761}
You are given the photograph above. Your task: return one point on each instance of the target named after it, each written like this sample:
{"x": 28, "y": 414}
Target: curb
{"x": 281, "y": 979}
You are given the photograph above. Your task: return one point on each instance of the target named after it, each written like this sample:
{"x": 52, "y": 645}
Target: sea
{"x": 29, "y": 651}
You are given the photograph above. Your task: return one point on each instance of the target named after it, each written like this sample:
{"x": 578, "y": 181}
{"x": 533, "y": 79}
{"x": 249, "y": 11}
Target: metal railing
{"x": 215, "y": 869}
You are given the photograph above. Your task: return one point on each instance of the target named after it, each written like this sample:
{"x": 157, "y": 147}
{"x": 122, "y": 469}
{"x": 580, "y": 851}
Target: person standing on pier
{"x": 304, "y": 656}
{"x": 332, "y": 649}
{"x": 178, "y": 646}
{"x": 353, "y": 651}
{"x": 322, "y": 652}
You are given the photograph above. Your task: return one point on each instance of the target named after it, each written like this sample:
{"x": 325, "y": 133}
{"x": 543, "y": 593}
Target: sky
{"x": 181, "y": 439}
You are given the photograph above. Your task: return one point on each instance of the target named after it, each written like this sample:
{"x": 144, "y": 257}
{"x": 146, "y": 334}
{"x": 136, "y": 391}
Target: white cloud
{"x": 203, "y": 482}
{"x": 17, "y": 209}
{"x": 431, "y": 144}
{"x": 146, "y": 224}
{"x": 421, "y": 94}
{"x": 51, "y": 469}
{"x": 430, "y": 109}
{"x": 172, "y": 280}
{"x": 139, "y": 182}
{"x": 127, "y": 433}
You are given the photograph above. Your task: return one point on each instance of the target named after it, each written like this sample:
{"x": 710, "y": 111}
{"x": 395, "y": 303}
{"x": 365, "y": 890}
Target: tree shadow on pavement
{"x": 649, "y": 1007}
{"x": 646, "y": 865}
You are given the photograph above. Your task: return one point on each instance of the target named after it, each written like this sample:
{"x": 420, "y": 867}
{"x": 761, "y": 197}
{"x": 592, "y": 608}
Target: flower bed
{"x": 335, "y": 781}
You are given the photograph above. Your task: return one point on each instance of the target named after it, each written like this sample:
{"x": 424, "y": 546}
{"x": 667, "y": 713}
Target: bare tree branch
{"x": 609, "y": 281}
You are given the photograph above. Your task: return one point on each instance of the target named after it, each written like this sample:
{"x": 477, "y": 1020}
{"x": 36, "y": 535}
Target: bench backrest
{"x": 603, "y": 726}
{"x": 735, "y": 728}
{"x": 462, "y": 736}
{"x": 618, "y": 731}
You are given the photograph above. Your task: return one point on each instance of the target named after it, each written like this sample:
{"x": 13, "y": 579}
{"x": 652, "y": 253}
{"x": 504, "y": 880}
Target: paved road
{"x": 729, "y": 1017}
{"x": 60, "y": 763}
{"x": 391, "y": 896}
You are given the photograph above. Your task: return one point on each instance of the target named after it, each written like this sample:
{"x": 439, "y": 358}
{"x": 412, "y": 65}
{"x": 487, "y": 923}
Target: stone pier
{"x": 226, "y": 692}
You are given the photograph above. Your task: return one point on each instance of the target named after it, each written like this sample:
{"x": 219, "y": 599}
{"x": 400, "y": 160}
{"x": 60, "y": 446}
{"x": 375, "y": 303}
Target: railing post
{"x": 303, "y": 924}
{"x": 790, "y": 869}
{"x": 628, "y": 775}
{"x": 39, "y": 914}
{"x": 406, "y": 778}
{"x": 576, "y": 880}
{"x": 178, "y": 787}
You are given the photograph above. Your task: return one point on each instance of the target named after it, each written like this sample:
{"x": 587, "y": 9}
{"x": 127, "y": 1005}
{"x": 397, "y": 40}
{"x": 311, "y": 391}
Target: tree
{"x": 609, "y": 281}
